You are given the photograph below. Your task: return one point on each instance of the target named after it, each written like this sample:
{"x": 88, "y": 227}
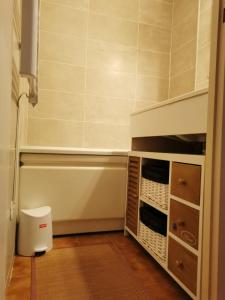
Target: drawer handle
{"x": 179, "y": 223}
{"x": 182, "y": 181}
{"x": 179, "y": 263}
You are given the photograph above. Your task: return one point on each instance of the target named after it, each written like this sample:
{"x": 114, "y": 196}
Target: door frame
{"x": 213, "y": 259}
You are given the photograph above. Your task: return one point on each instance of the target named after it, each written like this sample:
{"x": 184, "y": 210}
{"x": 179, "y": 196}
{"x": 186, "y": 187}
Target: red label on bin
{"x": 42, "y": 225}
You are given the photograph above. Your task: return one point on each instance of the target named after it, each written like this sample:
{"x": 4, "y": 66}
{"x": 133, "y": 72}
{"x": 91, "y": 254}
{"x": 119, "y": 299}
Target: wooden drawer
{"x": 183, "y": 264}
{"x": 186, "y": 182}
{"x": 133, "y": 193}
{"x": 184, "y": 222}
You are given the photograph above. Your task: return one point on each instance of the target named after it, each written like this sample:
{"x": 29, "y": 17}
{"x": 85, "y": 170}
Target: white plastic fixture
{"x": 29, "y": 45}
{"x": 35, "y": 231}
{"x": 29, "y": 38}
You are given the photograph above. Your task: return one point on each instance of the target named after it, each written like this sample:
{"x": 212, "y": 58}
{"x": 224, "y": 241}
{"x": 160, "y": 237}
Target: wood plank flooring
{"x": 159, "y": 283}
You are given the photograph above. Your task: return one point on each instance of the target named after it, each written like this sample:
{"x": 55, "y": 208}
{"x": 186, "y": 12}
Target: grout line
{"x": 90, "y": 94}
{"x": 152, "y": 76}
{"x": 125, "y": 124}
{"x": 131, "y": 20}
{"x": 84, "y": 135}
{"x": 154, "y": 51}
{"x": 207, "y": 7}
{"x": 204, "y": 45}
{"x": 155, "y": 26}
{"x": 185, "y": 18}
{"x": 137, "y": 60}
{"x": 129, "y": 99}
{"x": 61, "y": 92}
{"x": 102, "y": 70}
{"x": 73, "y": 35}
{"x": 56, "y": 119}
{"x": 113, "y": 17}
{"x": 112, "y": 44}
{"x": 68, "y": 35}
{"x": 61, "y": 63}
{"x": 164, "y": 1}
{"x": 183, "y": 71}
{"x": 64, "y": 5}
{"x": 184, "y": 45}
{"x": 197, "y": 45}
{"x": 90, "y": 12}
{"x": 171, "y": 45}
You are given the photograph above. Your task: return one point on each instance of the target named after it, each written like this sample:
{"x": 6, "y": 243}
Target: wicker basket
{"x": 153, "y": 241}
{"x": 155, "y": 192}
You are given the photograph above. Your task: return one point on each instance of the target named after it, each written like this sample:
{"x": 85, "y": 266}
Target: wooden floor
{"x": 160, "y": 285}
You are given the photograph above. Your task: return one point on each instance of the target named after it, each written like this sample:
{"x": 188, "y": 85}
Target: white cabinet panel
{"x": 75, "y": 193}
{"x": 187, "y": 115}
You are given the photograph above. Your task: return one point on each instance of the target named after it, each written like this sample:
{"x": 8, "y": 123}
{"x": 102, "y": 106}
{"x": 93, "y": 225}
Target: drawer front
{"x": 183, "y": 264}
{"x": 133, "y": 193}
{"x": 184, "y": 222}
{"x": 186, "y": 182}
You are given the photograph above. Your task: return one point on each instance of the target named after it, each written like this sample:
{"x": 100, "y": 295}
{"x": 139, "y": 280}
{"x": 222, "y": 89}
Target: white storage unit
{"x": 179, "y": 253}
{"x": 162, "y": 133}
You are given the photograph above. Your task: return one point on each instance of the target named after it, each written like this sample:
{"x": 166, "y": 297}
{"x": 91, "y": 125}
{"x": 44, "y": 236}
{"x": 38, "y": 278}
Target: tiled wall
{"x": 203, "y": 52}
{"x": 190, "y": 46}
{"x": 99, "y": 61}
{"x": 183, "y": 47}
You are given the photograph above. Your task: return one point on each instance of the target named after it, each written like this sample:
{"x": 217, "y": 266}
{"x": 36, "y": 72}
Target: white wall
{"x": 9, "y": 76}
{"x": 5, "y": 121}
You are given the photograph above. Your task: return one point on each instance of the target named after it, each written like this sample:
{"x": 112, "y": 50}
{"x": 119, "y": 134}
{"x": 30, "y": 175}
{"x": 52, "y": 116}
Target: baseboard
{"x": 82, "y": 226}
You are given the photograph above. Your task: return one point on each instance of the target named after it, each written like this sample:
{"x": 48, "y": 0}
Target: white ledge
{"x": 172, "y": 101}
{"x": 77, "y": 151}
{"x": 186, "y": 114}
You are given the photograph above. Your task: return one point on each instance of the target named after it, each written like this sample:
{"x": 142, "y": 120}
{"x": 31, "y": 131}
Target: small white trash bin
{"x": 35, "y": 231}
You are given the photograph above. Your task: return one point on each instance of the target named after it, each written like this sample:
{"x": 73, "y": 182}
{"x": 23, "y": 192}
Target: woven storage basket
{"x": 153, "y": 241}
{"x": 155, "y": 192}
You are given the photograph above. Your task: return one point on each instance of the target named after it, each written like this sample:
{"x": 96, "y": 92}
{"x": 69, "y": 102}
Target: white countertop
{"x": 187, "y": 114}
{"x": 67, "y": 150}
{"x": 172, "y": 100}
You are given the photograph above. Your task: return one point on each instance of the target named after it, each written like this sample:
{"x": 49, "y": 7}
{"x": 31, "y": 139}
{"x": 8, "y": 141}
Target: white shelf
{"x": 175, "y": 157}
{"x": 185, "y": 245}
{"x": 156, "y": 257}
{"x": 185, "y": 202}
{"x": 131, "y": 233}
{"x": 151, "y": 203}
{"x": 173, "y": 117}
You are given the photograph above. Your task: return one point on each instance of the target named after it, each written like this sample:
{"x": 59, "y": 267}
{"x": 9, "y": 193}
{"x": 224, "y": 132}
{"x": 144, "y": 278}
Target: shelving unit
{"x": 151, "y": 203}
{"x": 182, "y": 243}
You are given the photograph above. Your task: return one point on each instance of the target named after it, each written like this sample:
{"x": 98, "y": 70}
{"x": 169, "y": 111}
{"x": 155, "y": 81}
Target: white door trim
{"x": 213, "y": 267}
